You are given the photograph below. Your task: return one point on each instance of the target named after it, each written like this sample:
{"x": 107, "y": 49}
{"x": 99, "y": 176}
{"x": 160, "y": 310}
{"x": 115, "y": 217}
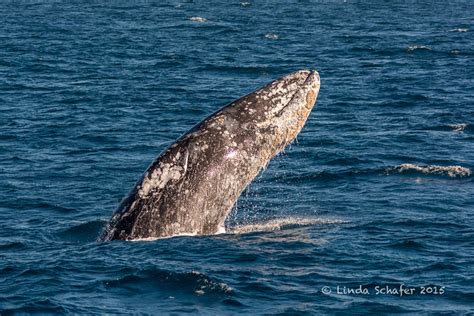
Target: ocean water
{"x": 376, "y": 194}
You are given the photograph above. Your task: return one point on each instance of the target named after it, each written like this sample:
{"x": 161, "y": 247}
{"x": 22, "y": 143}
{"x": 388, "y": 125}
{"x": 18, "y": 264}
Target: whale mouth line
{"x": 295, "y": 93}
{"x": 306, "y": 82}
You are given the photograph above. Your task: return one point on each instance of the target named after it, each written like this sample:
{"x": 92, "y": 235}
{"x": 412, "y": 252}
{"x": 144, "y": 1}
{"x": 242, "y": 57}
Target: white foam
{"x": 271, "y": 36}
{"x": 418, "y": 47}
{"x": 462, "y": 30}
{"x": 207, "y": 284}
{"x": 281, "y": 223}
{"x": 198, "y": 19}
{"x": 458, "y": 127}
{"x": 165, "y": 237}
{"x": 450, "y": 171}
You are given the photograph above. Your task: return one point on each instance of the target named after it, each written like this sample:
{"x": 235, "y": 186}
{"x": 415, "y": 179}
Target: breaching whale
{"x": 192, "y": 186}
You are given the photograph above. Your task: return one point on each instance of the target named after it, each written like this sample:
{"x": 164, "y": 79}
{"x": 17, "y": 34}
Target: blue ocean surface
{"x": 369, "y": 211}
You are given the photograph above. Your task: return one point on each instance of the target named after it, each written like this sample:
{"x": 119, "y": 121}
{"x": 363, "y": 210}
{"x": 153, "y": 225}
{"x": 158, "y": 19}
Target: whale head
{"x": 276, "y": 113}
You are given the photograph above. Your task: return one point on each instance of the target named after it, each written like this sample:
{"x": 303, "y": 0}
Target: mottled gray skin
{"x": 191, "y": 187}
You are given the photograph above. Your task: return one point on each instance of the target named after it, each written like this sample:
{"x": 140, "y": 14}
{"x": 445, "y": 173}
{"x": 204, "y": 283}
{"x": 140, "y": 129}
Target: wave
{"x": 271, "y": 36}
{"x": 350, "y": 172}
{"x": 418, "y": 47}
{"x": 458, "y": 127}
{"x": 198, "y": 19}
{"x": 237, "y": 69}
{"x": 82, "y": 232}
{"x": 193, "y": 282}
{"x": 459, "y": 30}
{"x": 450, "y": 171}
{"x": 282, "y": 223}
{"x": 12, "y": 245}
{"x": 408, "y": 245}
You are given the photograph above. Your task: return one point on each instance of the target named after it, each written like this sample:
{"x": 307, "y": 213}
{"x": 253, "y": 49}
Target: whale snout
{"x": 304, "y": 77}
{"x": 313, "y": 79}
{"x": 290, "y": 97}
{"x": 285, "y": 94}
{"x": 310, "y": 80}
{"x": 313, "y": 83}
{"x": 310, "y": 87}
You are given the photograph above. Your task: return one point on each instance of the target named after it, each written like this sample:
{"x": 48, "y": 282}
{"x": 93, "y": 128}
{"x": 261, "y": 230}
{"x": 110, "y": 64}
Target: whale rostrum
{"x": 192, "y": 186}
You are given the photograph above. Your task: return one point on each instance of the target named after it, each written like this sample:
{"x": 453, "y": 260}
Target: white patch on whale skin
{"x": 220, "y": 230}
{"x": 282, "y": 92}
{"x": 159, "y": 178}
{"x": 231, "y": 154}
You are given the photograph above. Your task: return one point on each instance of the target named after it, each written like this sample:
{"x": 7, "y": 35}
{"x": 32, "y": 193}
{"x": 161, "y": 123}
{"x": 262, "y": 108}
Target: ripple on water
{"x": 408, "y": 245}
{"x": 83, "y": 232}
{"x": 194, "y": 283}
